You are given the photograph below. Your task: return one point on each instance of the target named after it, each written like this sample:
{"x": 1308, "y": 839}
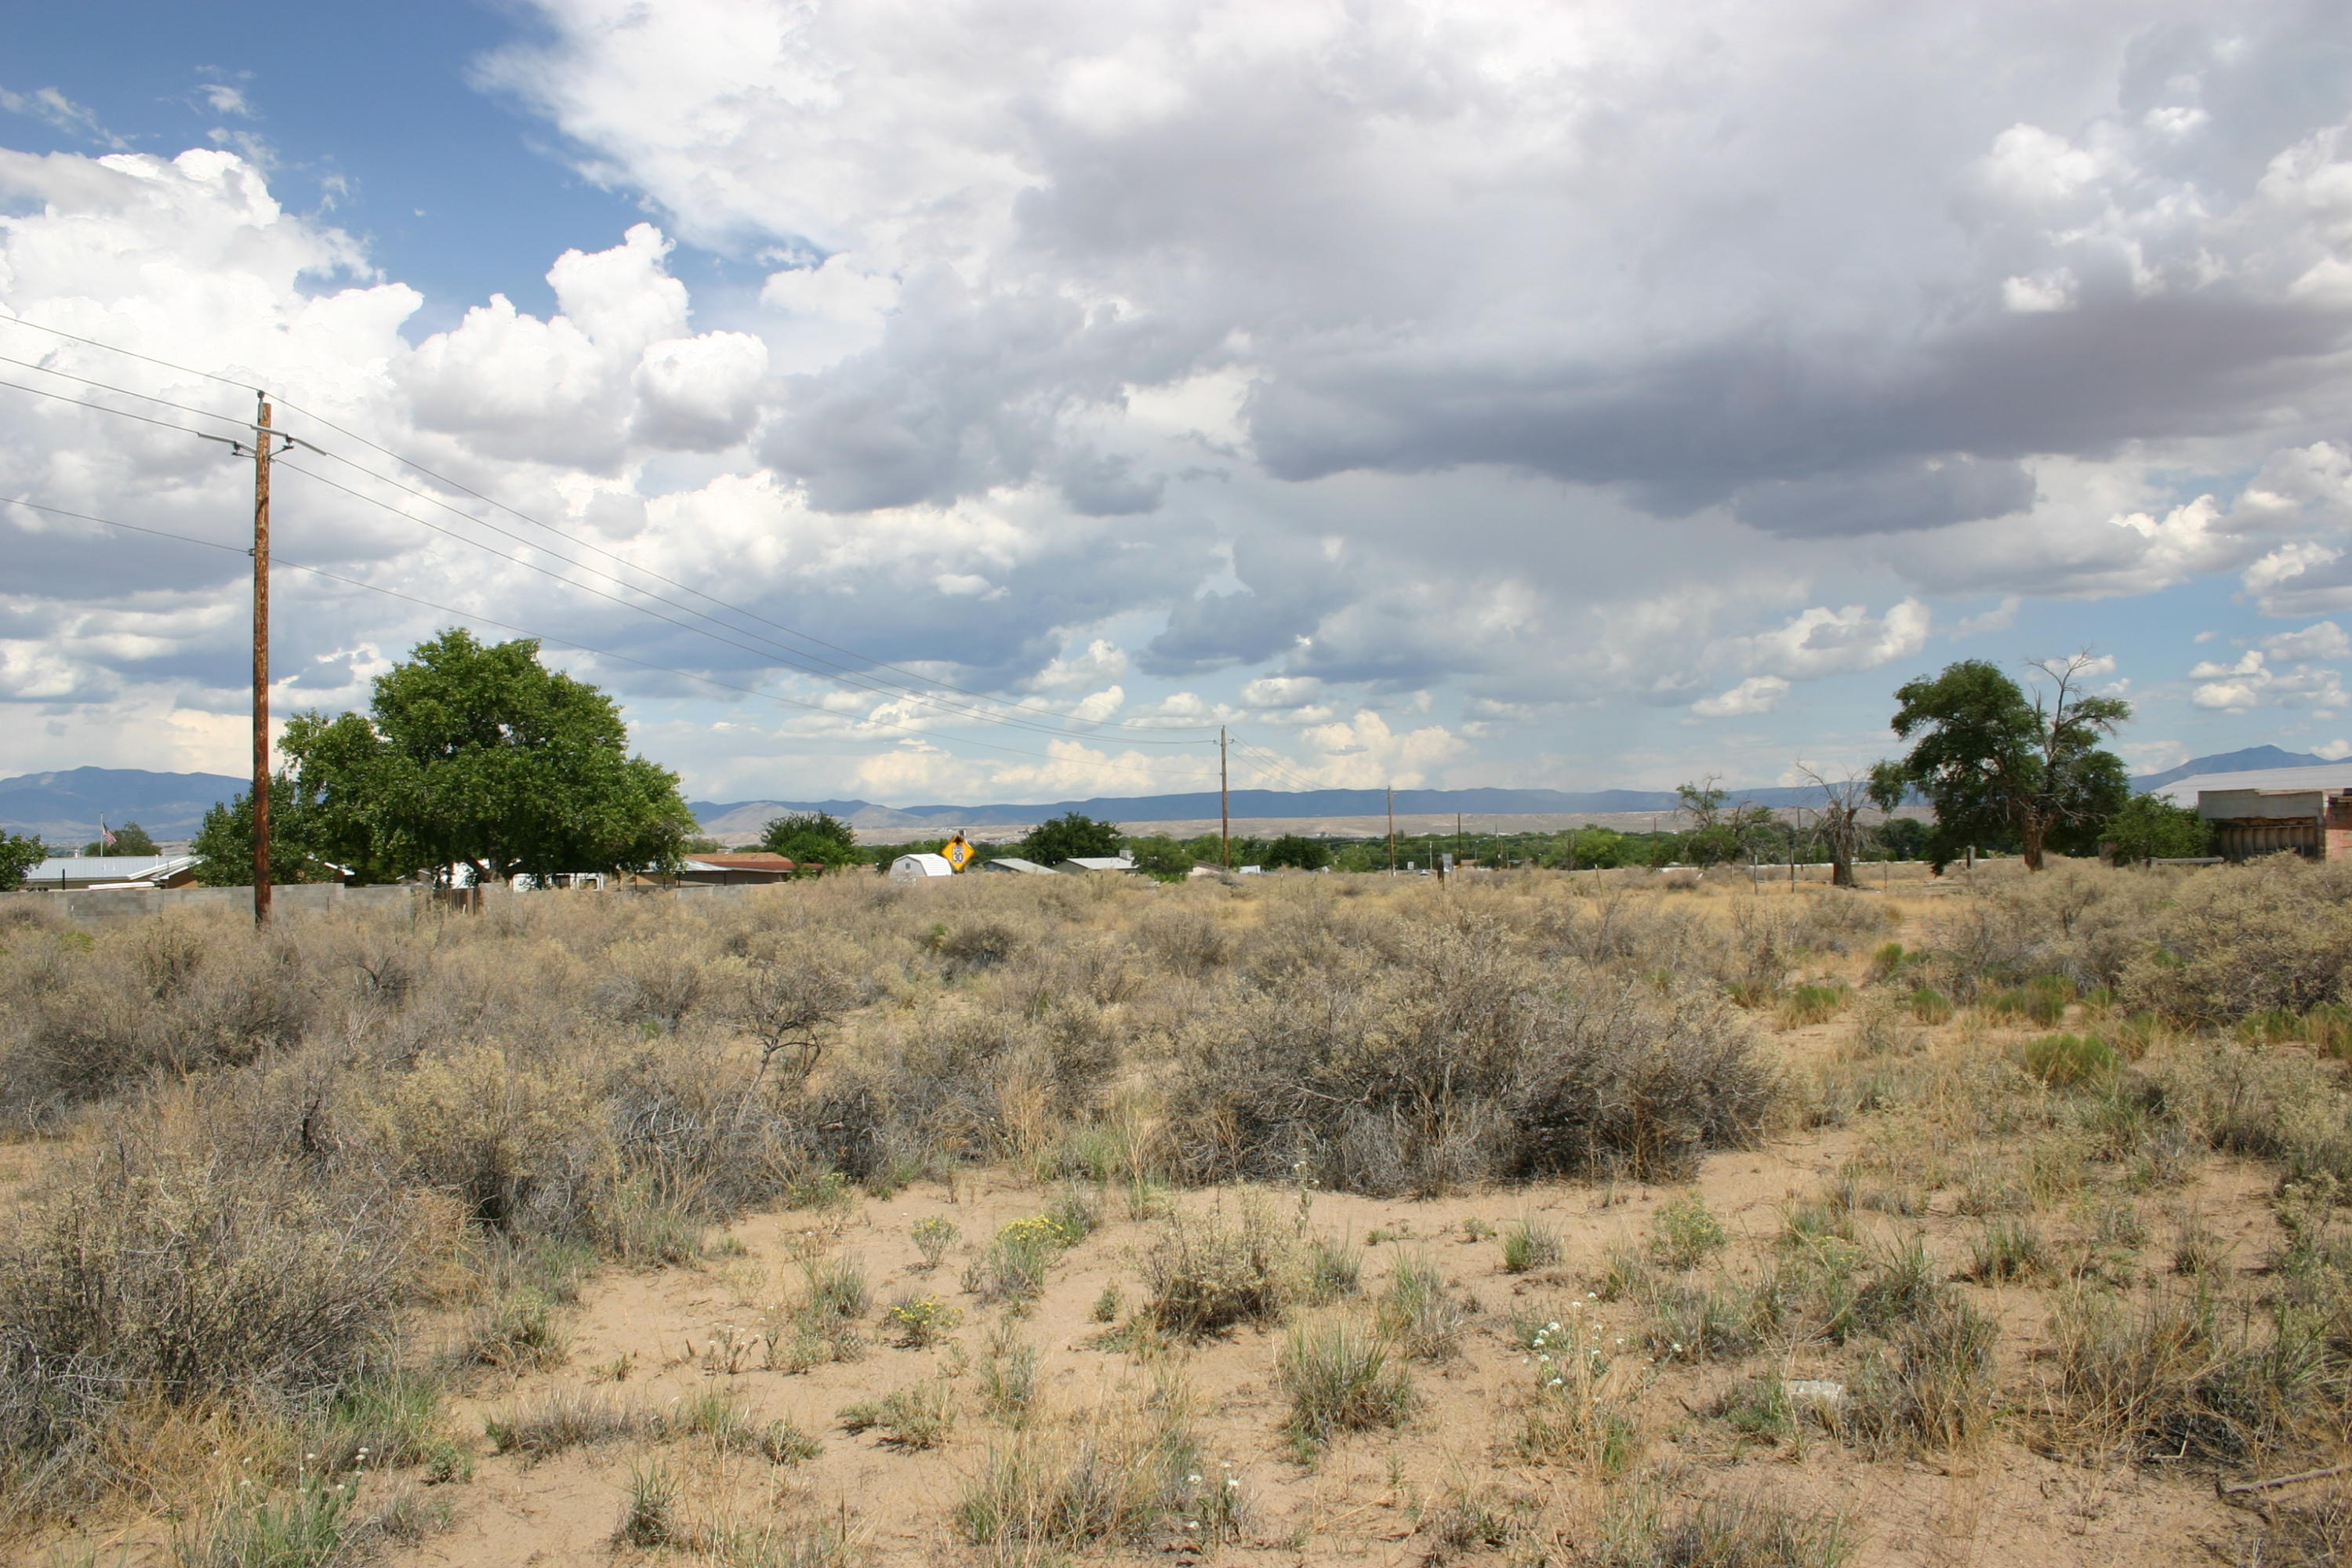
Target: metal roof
{"x": 107, "y": 869}
{"x": 2333, "y": 775}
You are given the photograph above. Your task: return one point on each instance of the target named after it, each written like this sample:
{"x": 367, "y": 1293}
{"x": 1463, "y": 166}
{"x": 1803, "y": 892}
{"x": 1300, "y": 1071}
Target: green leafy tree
{"x": 812, "y": 838}
{"x": 1995, "y": 764}
{"x": 129, "y": 839}
{"x": 2150, "y": 827}
{"x": 476, "y": 755}
{"x": 1297, "y": 852}
{"x": 18, "y": 855}
{"x": 224, "y": 844}
{"x": 1071, "y": 836}
{"x": 1164, "y": 859}
{"x": 1591, "y": 848}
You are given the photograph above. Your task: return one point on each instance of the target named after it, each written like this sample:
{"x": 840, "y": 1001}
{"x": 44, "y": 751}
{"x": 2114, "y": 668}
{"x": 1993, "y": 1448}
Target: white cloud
{"x": 2322, "y": 640}
{"x": 2334, "y": 750}
{"x": 1823, "y": 641}
{"x": 1757, "y": 694}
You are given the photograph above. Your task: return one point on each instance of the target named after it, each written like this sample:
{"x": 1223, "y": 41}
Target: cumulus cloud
{"x": 1757, "y": 694}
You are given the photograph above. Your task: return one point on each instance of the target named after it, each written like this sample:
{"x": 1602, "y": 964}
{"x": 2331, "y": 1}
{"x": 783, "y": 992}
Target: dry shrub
{"x": 2273, "y": 1105}
{"x": 169, "y": 997}
{"x": 159, "y": 1273}
{"x": 1931, "y": 1386}
{"x": 1465, "y": 1061}
{"x": 2271, "y": 936}
{"x": 1205, "y": 1273}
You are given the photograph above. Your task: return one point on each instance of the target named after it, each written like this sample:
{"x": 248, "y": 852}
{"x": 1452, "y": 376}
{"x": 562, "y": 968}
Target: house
{"x": 751, "y": 868}
{"x": 1098, "y": 863}
{"x": 1014, "y": 863}
{"x": 2270, "y": 810}
{"x": 79, "y": 873}
{"x": 920, "y": 867}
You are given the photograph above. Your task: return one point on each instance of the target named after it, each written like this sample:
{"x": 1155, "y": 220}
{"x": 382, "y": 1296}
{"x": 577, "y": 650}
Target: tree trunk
{"x": 1841, "y": 866}
{"x": 2033, "y": 830}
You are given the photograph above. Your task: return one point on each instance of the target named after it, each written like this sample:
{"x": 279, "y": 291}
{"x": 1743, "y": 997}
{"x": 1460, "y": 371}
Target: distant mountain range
{"x": 65, "y": 807}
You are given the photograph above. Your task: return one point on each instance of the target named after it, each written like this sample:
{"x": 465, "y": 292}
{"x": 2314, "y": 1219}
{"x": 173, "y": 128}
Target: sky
{"x": 966, "y": 402}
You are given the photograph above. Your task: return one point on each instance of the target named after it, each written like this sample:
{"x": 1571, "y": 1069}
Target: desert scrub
{"x": 561, "y": 1419}
{"x": 1206, "y": 1272}
{"x": 1455, "y": 1058}
{"x": 313, "y": 1525}
{"x": 919, "y": 1415}
{"x": 1634, "y": 1530}
{"x": 1806, "y": 1004}
{"x": 1685, "y": 1232}
{"x": 2068, "y": 1061}
{"x": 1419, "y": 1314}
{"x": 1117, "y": 1474}
{"x": 932, "y": 1236}
{"x": 1529, "y": 1245}
{"x": 1013, "y": 1267}
{"x": 920, "y": 1322}
{"x": 1576, "y": 1412}
{"x": 1931, "y": 1386}
{"x": 1930, "y": 1005}
{"x": 2008, "y": 1250}
{"x": 822, "y": 1325}
{"x": 2182, "y": 1376}
{"x": 1340, "y": 1374}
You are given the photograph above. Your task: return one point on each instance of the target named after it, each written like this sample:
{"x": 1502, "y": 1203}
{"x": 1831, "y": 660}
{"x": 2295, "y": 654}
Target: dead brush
{"x": 1207, "y": 1272}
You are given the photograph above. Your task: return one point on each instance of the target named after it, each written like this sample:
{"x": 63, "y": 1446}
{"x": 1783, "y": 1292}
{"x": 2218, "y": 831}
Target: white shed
{"x": 920, "y": 867}
{"x": 1014, "y": 864}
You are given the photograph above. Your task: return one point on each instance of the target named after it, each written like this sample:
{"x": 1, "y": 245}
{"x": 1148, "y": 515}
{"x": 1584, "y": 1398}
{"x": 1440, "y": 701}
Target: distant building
{"x": 735, "y": 871}
{"x": 1098, "y": 863}
{"x": 2270, "y": 811}
{"x": 920, "y": 867}
{"x": 80, "y": 873}
{"x": 1014, "y": 863}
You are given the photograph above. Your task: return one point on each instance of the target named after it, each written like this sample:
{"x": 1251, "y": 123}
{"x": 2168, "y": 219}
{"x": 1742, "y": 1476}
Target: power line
{"x": 126, "y": 391}
{"x": 489, "y": 500}
{"x": 525, "y": 631}
{"x": 119, "y": 413}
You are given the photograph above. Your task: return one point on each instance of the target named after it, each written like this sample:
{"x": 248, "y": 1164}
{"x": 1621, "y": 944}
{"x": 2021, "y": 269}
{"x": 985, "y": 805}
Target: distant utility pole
{"x": 1224, "y": 807}
{"x": 1457, "y": 838}
{"x": 1391, "y": 830}
{"x": 261, "y": 438}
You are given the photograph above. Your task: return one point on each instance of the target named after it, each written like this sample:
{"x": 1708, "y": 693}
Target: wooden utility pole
{"x": 261, "y": 438}
{"x": 1224, "y": 807}
{"x": 1391, "y": 830}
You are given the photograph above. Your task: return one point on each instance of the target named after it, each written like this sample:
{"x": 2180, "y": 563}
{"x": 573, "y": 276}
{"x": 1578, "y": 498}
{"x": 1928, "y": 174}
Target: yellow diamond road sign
{"x": 956, "y": 852}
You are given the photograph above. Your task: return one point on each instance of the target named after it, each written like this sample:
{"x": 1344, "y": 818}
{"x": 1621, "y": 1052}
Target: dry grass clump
{"x": 1340, "y": 1374}
{"x": 2270, "y": 936}
{"x": 1118, "y": 1474}
{"x": 2183, "y": 1376}
{"x": 1635, "y": 1531}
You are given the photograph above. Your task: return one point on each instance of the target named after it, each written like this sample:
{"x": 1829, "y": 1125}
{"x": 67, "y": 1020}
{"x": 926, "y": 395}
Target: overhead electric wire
{"x": 525, "y": 631}
{"x": 126, "y": 391}
{"x": 441, "y": 479}
{"x": 119, "y": 412}
{"x": 1275, "y": 766}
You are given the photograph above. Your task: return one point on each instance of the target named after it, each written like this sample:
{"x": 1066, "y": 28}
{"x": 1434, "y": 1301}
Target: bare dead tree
{"x": 1840, "y": 823}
